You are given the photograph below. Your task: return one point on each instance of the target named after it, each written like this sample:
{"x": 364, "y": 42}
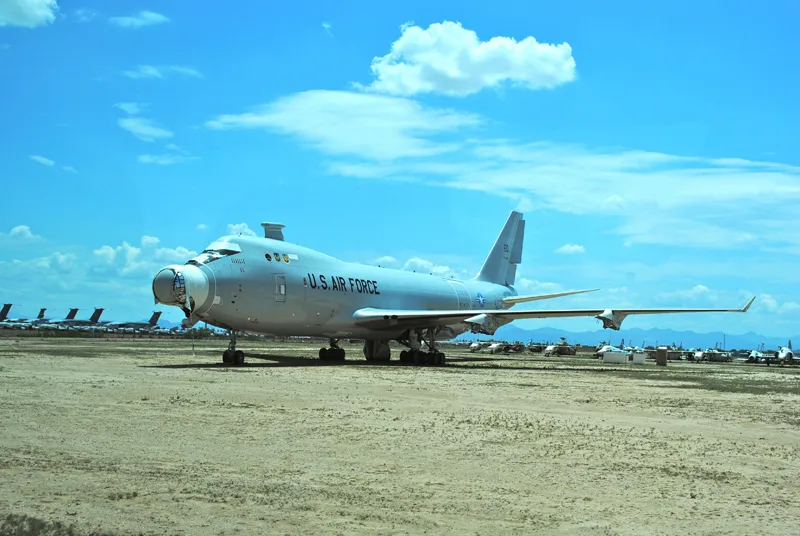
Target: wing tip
{"x": 746, "y": 307}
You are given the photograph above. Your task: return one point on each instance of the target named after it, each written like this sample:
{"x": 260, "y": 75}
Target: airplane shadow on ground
{"x": 274, "y": 360}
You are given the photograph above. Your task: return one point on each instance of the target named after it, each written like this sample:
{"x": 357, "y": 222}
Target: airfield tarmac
{"x": 142, "y": 437}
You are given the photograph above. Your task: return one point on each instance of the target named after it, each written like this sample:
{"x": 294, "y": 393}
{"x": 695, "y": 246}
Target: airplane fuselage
{"x": 275, "y": 287}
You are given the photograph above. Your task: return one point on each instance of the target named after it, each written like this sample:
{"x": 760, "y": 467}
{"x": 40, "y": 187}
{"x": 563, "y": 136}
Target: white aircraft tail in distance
{"x": 268, "y": 285}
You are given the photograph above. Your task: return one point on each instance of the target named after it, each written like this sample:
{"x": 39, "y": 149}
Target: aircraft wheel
{"x": 226, "y": 357}
{"x": 323, "y": 353}
{"x": 238, "y": 357}
{"x": 338, "y": 353}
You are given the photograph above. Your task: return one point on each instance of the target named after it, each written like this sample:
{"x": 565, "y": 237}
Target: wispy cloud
{"x": 130, "y": 108}
{"x": 42, "y": 160}
{"x": 571, "y": 249}
{"x": 176, "y": 155}
{"x": 144, "y": 129}
{"x": 69, "y": 168}
{"x": 327, "y": 27}
{"x": 139, "y": 20}
{"x": 654, "y": 197}
{"x": 150, "y": 71}
{"x": 83, "y": 15}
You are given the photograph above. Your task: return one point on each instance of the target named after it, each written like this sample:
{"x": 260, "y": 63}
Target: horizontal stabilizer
{"x": 513, "y": 300}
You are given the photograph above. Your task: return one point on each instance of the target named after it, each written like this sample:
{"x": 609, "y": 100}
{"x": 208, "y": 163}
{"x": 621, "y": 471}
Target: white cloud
{"x": 201, "y": 227}
{"x": 420, "y": 265}
{"x": 570, "y": 249}
{"x": 386, "y": 259}
{"x": 21, "y": 233}
{"x": 27, "y": 13}
{"x": 450, "y": 59}
{"x": 69, "y": 168}
{"x": 177, "y": 156}
{"x": 164, "y": 159}
{"x": 130, "y": 108}
{"x": 341, "y": 122}
{"x": 327, "y": 27}
{"x": 240, "y": 228}
{"x": 83, "y": 15}
{"x": 143, "y": 18}
{"x": 42, "y": 160}
{"x": 144, "y": 129}
{"x": 149, "y": 241}
{"x": 128, "y": 260}
{"x": 150, "y": 71}
{"x": 770, "y": 304}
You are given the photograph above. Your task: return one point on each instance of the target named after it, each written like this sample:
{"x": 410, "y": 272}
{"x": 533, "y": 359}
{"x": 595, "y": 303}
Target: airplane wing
{"x": 612, "y": 318}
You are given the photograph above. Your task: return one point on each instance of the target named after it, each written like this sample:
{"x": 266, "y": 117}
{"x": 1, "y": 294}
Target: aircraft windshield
{"x": 215, "y": 251}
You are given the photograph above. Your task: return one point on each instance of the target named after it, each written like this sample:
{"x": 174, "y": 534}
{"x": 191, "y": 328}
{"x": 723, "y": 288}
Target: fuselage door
{"x": 280, "y": 288}
{"x": 462, "y": 294}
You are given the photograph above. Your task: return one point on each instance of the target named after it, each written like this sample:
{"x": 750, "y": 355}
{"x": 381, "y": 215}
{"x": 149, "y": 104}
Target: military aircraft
{"x": 4, "y": 311}
{"x": 135, "y": 325}
{"x": 267, "y": 285}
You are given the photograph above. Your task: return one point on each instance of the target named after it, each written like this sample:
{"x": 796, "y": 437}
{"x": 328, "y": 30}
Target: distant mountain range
{"x": 636, "y": 336}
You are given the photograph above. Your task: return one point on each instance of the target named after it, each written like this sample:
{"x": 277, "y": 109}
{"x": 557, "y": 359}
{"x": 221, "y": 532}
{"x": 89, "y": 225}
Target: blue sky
{"x": 658, "y": 143}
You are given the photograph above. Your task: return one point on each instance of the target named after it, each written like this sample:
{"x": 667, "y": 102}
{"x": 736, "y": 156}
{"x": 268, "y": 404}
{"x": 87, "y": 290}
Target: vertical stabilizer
{"x": 500, "y": 267}
{"x": 154, "y": 319}
{"x": 4, "y": 311}
{"x": 96, "y": 315}
{"x": 41, "y": 313}
{"x": 72, "y": 313}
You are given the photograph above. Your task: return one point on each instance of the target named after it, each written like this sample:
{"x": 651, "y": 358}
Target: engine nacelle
{"x": 483, "y": 323}
{"x": 610, "y": 319}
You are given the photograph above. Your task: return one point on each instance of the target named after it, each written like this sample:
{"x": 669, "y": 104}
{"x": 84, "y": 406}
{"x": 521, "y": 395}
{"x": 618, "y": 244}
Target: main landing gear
{"x": 232, "y": 356}
{"x": 416, "y": 356}
{"x": 334, "y": 353}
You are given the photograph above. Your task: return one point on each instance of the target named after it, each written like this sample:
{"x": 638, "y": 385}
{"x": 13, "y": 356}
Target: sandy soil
{"x": 142, "y": 437}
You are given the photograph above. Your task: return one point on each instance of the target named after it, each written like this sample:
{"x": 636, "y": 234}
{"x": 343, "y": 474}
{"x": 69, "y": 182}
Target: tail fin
{"x": 96, "y": 315}
{"x": 4, "y": 311}
{"x": 154, "y": 319}
{"x": 71, "y": 314}
{"x": 41, "y": 313}
{"x": 500, "y": 267}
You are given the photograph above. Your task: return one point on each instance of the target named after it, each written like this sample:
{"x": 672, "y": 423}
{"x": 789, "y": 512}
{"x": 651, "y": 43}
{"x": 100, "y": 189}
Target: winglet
{"x": 746, "y": 307}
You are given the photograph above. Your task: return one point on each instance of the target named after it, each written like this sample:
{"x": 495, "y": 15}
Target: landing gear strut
{"x": 232, "y": 356}
{"x": 415, "y": 356}
{"x": 334, "y": 353}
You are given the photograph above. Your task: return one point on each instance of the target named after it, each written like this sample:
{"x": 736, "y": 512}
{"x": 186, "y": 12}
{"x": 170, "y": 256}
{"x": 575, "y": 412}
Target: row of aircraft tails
{"x": 71, "y": 322}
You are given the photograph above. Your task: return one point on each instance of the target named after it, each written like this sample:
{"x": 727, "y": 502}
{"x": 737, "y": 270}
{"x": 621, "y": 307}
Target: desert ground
{"x": 155, "y": 437}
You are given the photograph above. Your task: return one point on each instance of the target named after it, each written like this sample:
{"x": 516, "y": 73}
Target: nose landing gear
{"x": 232, "y": 356}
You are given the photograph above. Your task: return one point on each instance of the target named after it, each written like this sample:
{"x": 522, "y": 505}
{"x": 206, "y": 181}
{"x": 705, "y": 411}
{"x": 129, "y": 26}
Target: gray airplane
{"x": 267, "y": 285}
{"x": 135, "y": 325}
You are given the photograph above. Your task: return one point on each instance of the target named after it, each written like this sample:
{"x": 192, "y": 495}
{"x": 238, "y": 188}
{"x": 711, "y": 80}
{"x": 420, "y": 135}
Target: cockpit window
{"x": 216, "y": 250}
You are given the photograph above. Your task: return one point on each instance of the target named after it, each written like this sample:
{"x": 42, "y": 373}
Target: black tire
{"x": 226, "y": 357}
{"x": 238, "y": 357}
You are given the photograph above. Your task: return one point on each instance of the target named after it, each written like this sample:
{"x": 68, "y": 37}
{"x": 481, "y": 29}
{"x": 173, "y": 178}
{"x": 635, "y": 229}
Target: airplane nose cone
{"x": 163, "y": 287}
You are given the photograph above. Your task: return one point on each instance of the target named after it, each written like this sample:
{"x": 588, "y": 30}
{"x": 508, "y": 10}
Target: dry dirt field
{"x": 142, "y": 437}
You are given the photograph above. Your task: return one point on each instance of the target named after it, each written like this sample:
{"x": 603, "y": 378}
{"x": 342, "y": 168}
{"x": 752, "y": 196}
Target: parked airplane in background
{"x": 135, "y": 325}
{"x": 4, "y": 311}
{"x": 71, "y": 321}
{"x": 786, "y": 353}
{"x": 268, "y": 285}
{"x": 24, "y": 322}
